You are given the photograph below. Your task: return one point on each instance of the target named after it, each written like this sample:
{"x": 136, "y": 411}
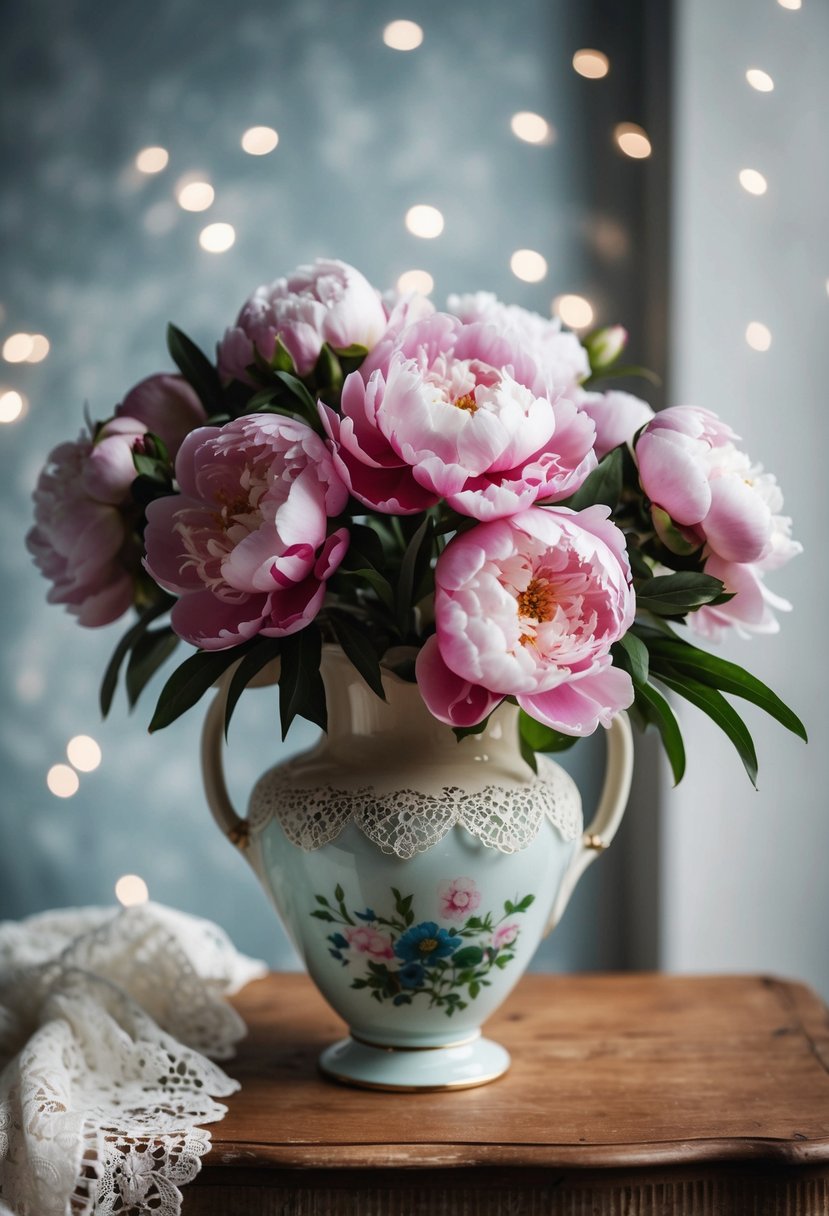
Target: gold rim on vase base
{"x": 352, "y": 1082}
{"x": 473, "y": 1038}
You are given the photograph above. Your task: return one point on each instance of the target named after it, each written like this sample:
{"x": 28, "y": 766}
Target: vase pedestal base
{"x": 404, "y": 1069}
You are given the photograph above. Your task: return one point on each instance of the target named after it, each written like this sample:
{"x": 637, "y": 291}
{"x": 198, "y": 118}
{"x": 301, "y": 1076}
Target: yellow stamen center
{"x": 537, "y": 602}
{"x": 427, "y": 945}
{"x": 467, "y": 402}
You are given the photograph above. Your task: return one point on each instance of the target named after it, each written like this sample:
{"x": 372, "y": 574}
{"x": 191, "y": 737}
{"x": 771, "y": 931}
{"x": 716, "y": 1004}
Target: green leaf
{"x": 468, "y": 956}
{"x": 714, "y": 704}
{"x": 527, "y": 752}
{"x": 321, "y": 915}
{"x": 354, "y": 351}
{"x": 339, "y": 894}
{"x": 727, "y": 677}
{"x": 148, "y": 654}
{"x": 301, "y": 690}
{"x": 671, "y": 535}
{"x": 543, "y": 738}
{"x": 110, "y": 680}
{"x": 633, "y": 656}
{"x": 263, "y": 652}
{"x": 189, "y": 682}
{"x": 359, "y": 649}
{"x": 417, "y": 555}
{"x": 656, "y": 711}
{"x": 509, "y": 907}
{"x": 626, "y": 371}
{"x": 196, "y": 368}
{"x": 474, "y": 989}
{"x": 676, "y": 594}
{"x": 525, "y": 903}
{"x": 281, "y": 360}
{"x": 307, "y": 406}
{"x": 604, "y": 484}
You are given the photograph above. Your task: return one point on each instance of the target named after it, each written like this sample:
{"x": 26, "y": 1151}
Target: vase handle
{"x": 602, "y": 828}
{"x": 212, "y": 767}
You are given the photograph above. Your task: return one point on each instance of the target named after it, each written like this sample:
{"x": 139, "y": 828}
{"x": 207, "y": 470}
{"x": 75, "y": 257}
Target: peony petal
{"x": 738, "y": 524}
{"x": 204, "y": 620}
{"x": 673, "y": 475}
{"x": 577, "y": 708}
{"x": 449, "y": 698}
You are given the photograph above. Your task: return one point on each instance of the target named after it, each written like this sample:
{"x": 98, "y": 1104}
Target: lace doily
{"x": 106, "y": 1021}
{"x": 407, "y": 822}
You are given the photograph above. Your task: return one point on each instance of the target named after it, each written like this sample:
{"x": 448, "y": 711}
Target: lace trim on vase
{"x": 406, "y": 822}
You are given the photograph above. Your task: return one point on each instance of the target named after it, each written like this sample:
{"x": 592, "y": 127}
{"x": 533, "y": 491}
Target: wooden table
{"x": 629, "y": 1095}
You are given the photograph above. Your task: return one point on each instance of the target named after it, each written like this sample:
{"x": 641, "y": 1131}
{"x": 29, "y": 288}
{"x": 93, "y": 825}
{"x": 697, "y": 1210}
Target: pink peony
{"x": 165, "y": 405}
{"x": 617, "y": 417}
{"x": 458, "y": 898}
{"x": 558, "y": 354}
{"x": 369, "y": 941}
{"x": 326, "y": 302}
{"x": 691, "y": 468}
{"x": 82, "y": 534}
{"x": 245, "y": 545}
{"x": 529, "y": 607}
{"x": 505, "y": 935}
{"x": 459, "y": 412}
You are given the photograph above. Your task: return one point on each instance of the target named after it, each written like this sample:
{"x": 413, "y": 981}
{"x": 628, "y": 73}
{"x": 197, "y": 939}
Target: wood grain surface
{"x": 688, "y": 1088}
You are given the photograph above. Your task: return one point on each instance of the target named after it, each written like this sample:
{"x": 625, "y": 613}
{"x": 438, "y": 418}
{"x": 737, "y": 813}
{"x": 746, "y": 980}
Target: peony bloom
{"x": 691, "y": 468}
{"x": 617, "y": 417}
{"x": 458, "y": 898}
{"x": 370, "y": 942}
{"x": 326, "y": 302}
{"x": 558, "y": 354}
{"x": 529, "y": 607}
{"x": 462, "y": 413}
{"x": 81, "y": 540}
{"x": 165, "y": 405}
{"x": 245, "y": 544}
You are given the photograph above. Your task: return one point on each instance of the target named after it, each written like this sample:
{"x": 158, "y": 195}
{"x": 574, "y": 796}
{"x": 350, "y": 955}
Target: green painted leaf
{"x": 603, "y": 485}
{"x": 727, "y": 677}
{"x": 196, "y": 368}
{"x": 525, "y": 903}
{"x": 189, "y": 682}
{"x": 301, "y": 690}
{"x": 474, "y": 989}
{"x": 151, "y": 650}
{"x": 468, "y": 956}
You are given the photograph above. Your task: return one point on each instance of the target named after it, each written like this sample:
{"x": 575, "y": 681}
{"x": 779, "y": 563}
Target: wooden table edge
{"x": 426, "y": 1156}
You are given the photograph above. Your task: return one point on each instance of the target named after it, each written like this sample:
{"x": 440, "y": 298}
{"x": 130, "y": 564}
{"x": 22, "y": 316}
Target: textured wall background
{"x": 99, "y": 257}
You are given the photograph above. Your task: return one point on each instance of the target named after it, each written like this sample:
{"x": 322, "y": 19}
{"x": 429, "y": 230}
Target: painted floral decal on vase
{"x": 401, "y": 958}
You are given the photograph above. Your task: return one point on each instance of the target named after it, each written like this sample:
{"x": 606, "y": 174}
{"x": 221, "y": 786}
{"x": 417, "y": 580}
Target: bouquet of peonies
{"x": 445, "y": 494}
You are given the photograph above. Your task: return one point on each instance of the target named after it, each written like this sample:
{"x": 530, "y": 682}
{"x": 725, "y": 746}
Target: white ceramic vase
{"x": 416, "y": 874}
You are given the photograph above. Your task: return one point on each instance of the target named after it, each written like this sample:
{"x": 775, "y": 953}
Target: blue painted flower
{"x": 412, "y": 975}
{"x": 368, "y": 915}
{"x": 424, "y": 943}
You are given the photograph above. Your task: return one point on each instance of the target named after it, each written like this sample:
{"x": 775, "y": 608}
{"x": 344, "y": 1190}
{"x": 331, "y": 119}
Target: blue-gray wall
{"x": 99, "y": 258}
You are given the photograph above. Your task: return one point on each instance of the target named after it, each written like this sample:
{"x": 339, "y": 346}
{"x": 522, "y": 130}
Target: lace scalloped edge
{"x": 406, "y": 822}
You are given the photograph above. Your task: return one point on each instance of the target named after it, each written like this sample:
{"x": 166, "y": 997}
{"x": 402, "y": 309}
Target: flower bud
{"x": 604, "y": 346}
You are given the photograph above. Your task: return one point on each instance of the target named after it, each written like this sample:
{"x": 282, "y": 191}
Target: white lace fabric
{"x": 107, "y": 1020}
{"x": 406, "y": 822}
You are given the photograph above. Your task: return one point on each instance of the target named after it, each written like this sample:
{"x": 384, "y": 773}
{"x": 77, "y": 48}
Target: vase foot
{"x": 408, "y": 1069}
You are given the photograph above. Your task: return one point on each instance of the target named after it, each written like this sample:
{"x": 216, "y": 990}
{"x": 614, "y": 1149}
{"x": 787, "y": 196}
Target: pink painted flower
{"x": 167, "y": 406}
{"x": 328, "y": 301}
{"x": 558, "y": 354}
{"x": 82, "y": 539}
{"x": 529, "y": 607}
{"x": 370, "y": 942}
{"x": 505, "y": 935}
{"x": 245, "y": 544}
{"x": 460, "y": 413}
{"x": 617, "y": 417}
{"x": 691, "y": 468}
{"x": 459, "y": 897}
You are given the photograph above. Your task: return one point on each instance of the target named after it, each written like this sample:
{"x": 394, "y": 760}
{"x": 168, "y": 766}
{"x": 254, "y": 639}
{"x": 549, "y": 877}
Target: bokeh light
{"x": 259, "y": 141}
{"x": 753, "y": 182}
{"x": 403, "y": 35}
{"x": 12, "y": 405}
{"x": 217, "y": 238}
{"x": 632, "y": 140}
{"x": 758, "y": 336}
{"x": 531, "y": 128}
{"x": 194, "y": 195}
{"x": 84, "y": 753}
{"x": 528, "y": 265}
{"x": 574, "y": 311}
{"x": 152, "y": 160}
{"x": 424, "y": 221}
{"x": 62, "y": 781}
{"x": 415, "y": 280}
{"x": 18, "y": 348}
{"x": 592, "y": 64}
{"x": 759, "y": 80}
{"x": 131, "y": 890}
